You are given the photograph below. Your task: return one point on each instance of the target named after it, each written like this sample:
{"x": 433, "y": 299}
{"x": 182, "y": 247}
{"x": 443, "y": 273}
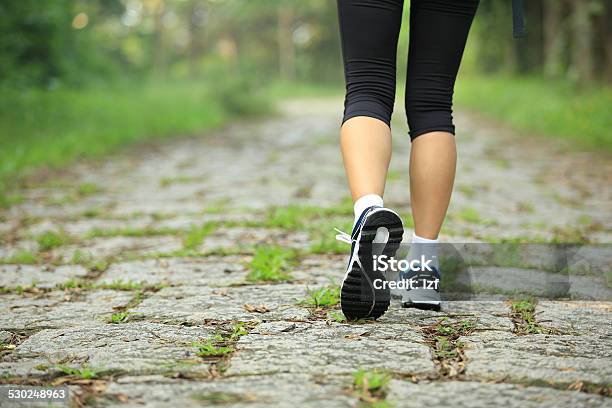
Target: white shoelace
{"x": 343, "y": 236}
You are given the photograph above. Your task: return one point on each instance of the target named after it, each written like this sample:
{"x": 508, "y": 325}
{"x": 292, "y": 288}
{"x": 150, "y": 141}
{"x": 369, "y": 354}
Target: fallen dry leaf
{"x": 256, "y": 309}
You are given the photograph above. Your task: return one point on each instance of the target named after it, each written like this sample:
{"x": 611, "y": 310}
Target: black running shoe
{"x": 378, "y": 231}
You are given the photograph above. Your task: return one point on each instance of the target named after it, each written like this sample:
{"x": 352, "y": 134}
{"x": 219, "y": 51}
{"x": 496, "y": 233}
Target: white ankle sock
{"x": 424, "y": 246}
{"x": 364, "y": 202}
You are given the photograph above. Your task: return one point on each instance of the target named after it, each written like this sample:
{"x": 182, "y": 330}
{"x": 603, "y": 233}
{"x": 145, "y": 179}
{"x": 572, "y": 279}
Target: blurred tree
{"x": 555, "y": 37}
{"x": 76, "y": 42}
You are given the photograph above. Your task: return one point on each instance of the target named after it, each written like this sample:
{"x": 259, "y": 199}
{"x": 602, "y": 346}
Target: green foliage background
{"x": 81, "y": 78}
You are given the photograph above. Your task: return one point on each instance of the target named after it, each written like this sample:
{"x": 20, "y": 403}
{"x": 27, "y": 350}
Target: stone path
{"x": 185, "y": 274}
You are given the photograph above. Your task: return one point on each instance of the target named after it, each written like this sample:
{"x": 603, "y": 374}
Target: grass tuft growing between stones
{"x": 130, "y": 232}
{"x": 85, "y": 372}
{"x": 294, "y": 217}
{"x": 118, "y": 318}
{"x": 323, "y": 238}
{"x": 23, "y": 257}
{"x": 371, "y": 387}
{"x": 223, "y": 342}
{"x": 213, "y": 347}
{"x": 195, "y": 236}
{"x": 222, "y": 398}
{"x": 523, "y": 315}
{"x": 122, "y": 285}
{"x": 325, "y": 297}
{"x": 49, "y": 240}
{"x": 87, "y": 189}
{"x": 337, "y": 317}
{"x": 90, "y": 262}
{"x": 271, "y": 264}
{"x": 446, "y": 349}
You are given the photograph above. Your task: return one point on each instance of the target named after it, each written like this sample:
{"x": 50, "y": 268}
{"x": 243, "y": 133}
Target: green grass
{"x": 49, "y": 240}
{"x": 87, "y": 189}
{"x": 118, "y": 318}
{"x": 89, "y": 261}
{"x": 212, "y": 348}
{"x": 24, "y": 257}
{"x": 323, "y": 237}
{"x": 555, "y": 109}
{"x": 271, "y": 264}
{"x": 337, "y": 317}
{"x": 522, "y": 312}
{"x": 195, "y": 236}
{"x": 469, "y": 215}
{"x": 127, "y": 285}
{"x": 325, "y": 297}
{"x": 371, "y": 386}
{"x": 130, "y": 232}
{"x": 85, "y": 372}
{"x": 75, "y": 284}
{"x": 54, "y": 128}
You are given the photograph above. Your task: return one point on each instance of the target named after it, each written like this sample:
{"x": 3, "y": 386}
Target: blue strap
{"x": 518, "y": 19}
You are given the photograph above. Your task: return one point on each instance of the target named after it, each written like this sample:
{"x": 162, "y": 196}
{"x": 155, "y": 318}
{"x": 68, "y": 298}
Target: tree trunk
{"x": 286, "y": 50}
{"x": 555, "y": 40}
{"x": 582, "y": 49}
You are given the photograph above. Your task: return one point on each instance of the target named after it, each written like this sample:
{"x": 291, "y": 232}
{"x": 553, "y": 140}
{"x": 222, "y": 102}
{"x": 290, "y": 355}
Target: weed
{"x": 24, "y": 257}
{"x": 323, "y": 240}
{"x": 325, "y": 297}
{"x": 270, "y": 264}
{"x": 130, "y": 232}
{"x": 75, "y": 284}
{"x": 91, "y": 213}
{"x": 196, "y": 235}
{"x": 84, "y": 372}
{"x": 167, "y": 181}
{"x": 49, "y": 240}
{"x": 291, "y": 217}
{"x": 522, "y": 313}
{"x": 443, "y": 340}
{"x": 117, "y": 318}
{"x": 371, "y": 386}
{"x": 89, "y": 262}
{"x": 337, "y": 317}
{"x": 221, "y": 398}
{"x": 86, "y": 189}
{"x": 213, "y": 348}
{"x": 121, "y": 285}
{"x": 469, "y": 215}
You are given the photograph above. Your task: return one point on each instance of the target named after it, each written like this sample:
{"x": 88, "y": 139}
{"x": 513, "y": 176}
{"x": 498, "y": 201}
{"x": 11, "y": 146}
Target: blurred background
{"x": 82, "y": 78}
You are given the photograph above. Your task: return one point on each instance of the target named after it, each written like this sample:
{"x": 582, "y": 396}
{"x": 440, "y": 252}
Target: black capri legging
{"x": 369, "y": 31}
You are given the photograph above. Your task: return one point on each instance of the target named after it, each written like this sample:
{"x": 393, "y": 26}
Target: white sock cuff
{"x": 418, "y": 240}
{"x": 366, "y": 201}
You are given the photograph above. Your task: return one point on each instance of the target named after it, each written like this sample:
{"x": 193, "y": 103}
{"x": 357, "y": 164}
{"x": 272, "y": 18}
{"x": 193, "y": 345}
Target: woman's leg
{"x": 438, "y": 33}
{"x": 369, "y": 31}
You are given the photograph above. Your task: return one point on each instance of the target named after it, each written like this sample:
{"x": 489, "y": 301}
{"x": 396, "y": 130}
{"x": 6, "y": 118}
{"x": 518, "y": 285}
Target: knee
{"x": 429, "y": 108}
{"x": 370, "y": 91}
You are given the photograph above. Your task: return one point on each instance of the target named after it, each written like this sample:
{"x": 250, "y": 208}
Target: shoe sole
{"x": 358, "y": 297}
{"x": 422, "y": 306}
{"x": 424, "y": 299}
